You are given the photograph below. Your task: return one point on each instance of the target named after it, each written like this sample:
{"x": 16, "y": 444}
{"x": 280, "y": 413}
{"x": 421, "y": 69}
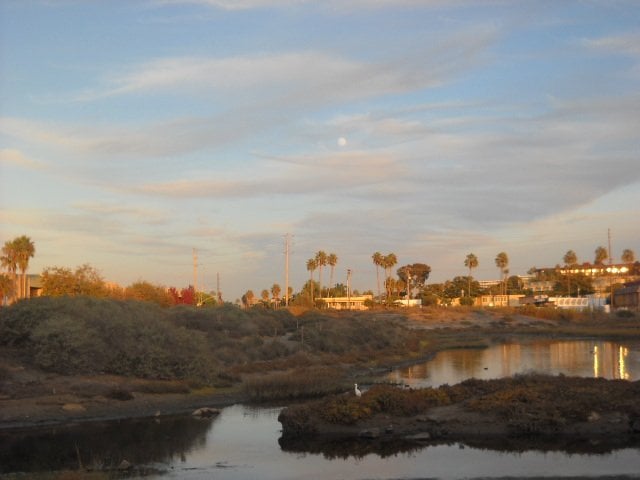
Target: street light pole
{"x": 349, "y": 289}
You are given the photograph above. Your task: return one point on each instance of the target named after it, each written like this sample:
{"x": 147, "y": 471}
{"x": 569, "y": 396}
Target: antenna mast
{"x": 286, "y": 270}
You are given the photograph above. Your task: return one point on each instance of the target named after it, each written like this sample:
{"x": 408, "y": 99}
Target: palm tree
{"x": 502, "y": 262}
{"x": 321, "y": 261}
{"x": 311, "y": 266}
{"x": 249, "y": 296}
{"x": 265, "y": 296}
{"x": 9, "y": 260}
{"x": 377, "y": 258}
{"x": 601, "y": 255}
{"x": 628, "y": 256}
{"x": 470, "y": 262}
{"x": 570, "y": 259}
{"x": 25, "y": 250}
{"x": 7, "y": 288}
{"x": 388, "y": 262}
{"x": 332, "y": 260}
{"x": 275, "y": 292}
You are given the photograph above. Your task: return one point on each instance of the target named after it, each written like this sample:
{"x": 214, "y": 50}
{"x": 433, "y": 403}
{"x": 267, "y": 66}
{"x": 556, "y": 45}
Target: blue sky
{"x": 132, "y": 132}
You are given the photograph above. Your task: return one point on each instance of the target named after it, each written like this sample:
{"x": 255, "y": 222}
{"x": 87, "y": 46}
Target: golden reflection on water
{"x": 578, "y": 358}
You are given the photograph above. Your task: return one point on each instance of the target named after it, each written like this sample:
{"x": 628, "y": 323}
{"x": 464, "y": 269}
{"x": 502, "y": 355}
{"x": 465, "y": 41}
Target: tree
{"x": 9, "y": 261}
{"x": 628, "y": 256}
{"x": 321, "y": 261}
{"x": 249, "y": 296}
{"x": 62, "y": 281}
{"x": 601, "y": 255}
{"x": 414, "y": 275}
{"x": 570, "y": 259}
{"x": 311, "y": 267}
{"x": 453, "y": 288}
{"x": 502, "y": 262}
{"x": 147, "y": 292}
{"x": 378, "y": 260}
{"x": 340, "y": 290}
{"x": 265, "y": 296}
{"x": 388, "y": 262}
{"x": 186, "y": 296}
{"x": 332, "y": 260}
{"x": 471, "y": 262}
{"x": 7, "y": 288}
{"x": 24, "y": 250}
{"x": 275, "y": 293}
{"x": 582, "y": 284}
{"x": 432, "y": 294}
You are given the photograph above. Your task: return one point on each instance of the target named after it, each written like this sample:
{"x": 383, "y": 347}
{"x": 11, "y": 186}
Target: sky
{"x": 135, "y": 132}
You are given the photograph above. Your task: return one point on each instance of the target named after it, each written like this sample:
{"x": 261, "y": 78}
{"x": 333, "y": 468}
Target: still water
{"x": 576, "y": 358}
{"x": 244, "y": 442}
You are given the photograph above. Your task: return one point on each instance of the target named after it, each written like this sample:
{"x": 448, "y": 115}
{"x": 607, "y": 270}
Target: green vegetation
{"x": 78, "y": 335}
{"x": 211, "y": 346}
{"x": 527, "y": 403}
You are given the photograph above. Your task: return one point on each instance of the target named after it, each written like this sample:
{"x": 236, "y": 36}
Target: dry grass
{"x": 296, "y": 384}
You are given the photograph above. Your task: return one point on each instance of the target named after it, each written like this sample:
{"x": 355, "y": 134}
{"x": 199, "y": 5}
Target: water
{"x": 243, "y": 442}
{"x": 576, "y": 358}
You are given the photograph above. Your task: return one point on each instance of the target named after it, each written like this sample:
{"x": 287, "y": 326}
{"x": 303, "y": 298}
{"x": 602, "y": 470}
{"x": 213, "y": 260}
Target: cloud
{"x": 137, "y": 215}
{"x": 622, "y": 44}
{"x": 160, "y": 139}
{"x": 304, "y": 176}
{"x": 340, "y": 5}
{"x": 300, "y": 78}
{"x": 15, "y": 157}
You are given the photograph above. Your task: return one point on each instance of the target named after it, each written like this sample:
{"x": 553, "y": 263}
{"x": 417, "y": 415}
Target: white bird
{"x": 357, "y": 390}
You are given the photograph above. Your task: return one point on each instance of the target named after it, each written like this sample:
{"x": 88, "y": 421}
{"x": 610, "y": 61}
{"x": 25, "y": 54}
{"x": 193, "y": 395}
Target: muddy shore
{"x": 40, "y": 399}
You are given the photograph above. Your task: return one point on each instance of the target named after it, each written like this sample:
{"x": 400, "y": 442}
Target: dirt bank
{"x": 31, "y": 398}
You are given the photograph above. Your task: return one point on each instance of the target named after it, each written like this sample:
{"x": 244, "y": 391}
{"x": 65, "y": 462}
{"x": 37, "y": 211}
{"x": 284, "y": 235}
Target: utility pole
{"x": 286, "y": 270}
{"x": 218, "y": 294}
{"x": 610, "y": 271}
{"x": 195, "y": 276}
{"x": 349, "y": 289}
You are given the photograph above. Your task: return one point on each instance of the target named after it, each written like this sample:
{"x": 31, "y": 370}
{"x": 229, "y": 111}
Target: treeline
{"x": 86, "y": 280}
{"x": 89, "y": 335}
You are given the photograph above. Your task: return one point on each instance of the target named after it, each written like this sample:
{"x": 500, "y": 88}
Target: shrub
{"x": 74, "y": 335}
{"x": 293, "y": 384}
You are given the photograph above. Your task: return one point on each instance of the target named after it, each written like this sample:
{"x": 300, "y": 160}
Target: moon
{"x": 342, "y": 142}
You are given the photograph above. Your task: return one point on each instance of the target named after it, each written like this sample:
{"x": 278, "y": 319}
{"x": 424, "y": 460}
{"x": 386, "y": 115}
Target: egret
{"x": 357, "y": 390}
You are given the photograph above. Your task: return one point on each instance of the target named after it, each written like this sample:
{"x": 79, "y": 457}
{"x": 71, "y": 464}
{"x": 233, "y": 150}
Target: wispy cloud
{"x": 327, "y": 4}
{"x": 303, "y": 176}
{"x": 300, "y": 77}
{"x": 10, "y": 156}
{"x": 621, "y": 44}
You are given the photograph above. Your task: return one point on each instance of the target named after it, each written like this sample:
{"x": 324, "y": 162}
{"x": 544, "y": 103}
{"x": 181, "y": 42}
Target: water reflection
{"x": 384, "y": 448}
{"x": 102, "y": 445}
{"x": 577, "y": 358}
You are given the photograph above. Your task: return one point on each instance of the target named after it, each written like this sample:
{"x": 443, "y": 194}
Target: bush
{"x": 78, "y": 335}
{"x": 625, "y": 314}
{"x": 294, "y": 384}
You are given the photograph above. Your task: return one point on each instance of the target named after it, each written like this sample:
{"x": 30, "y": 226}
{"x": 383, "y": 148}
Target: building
{"x": 627, "y": 297}
{"x": 354, "y": 302}
{"x": 603, "y": 276}
{"x": 408, "y": 302}
{"x": 498, "y": 300}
